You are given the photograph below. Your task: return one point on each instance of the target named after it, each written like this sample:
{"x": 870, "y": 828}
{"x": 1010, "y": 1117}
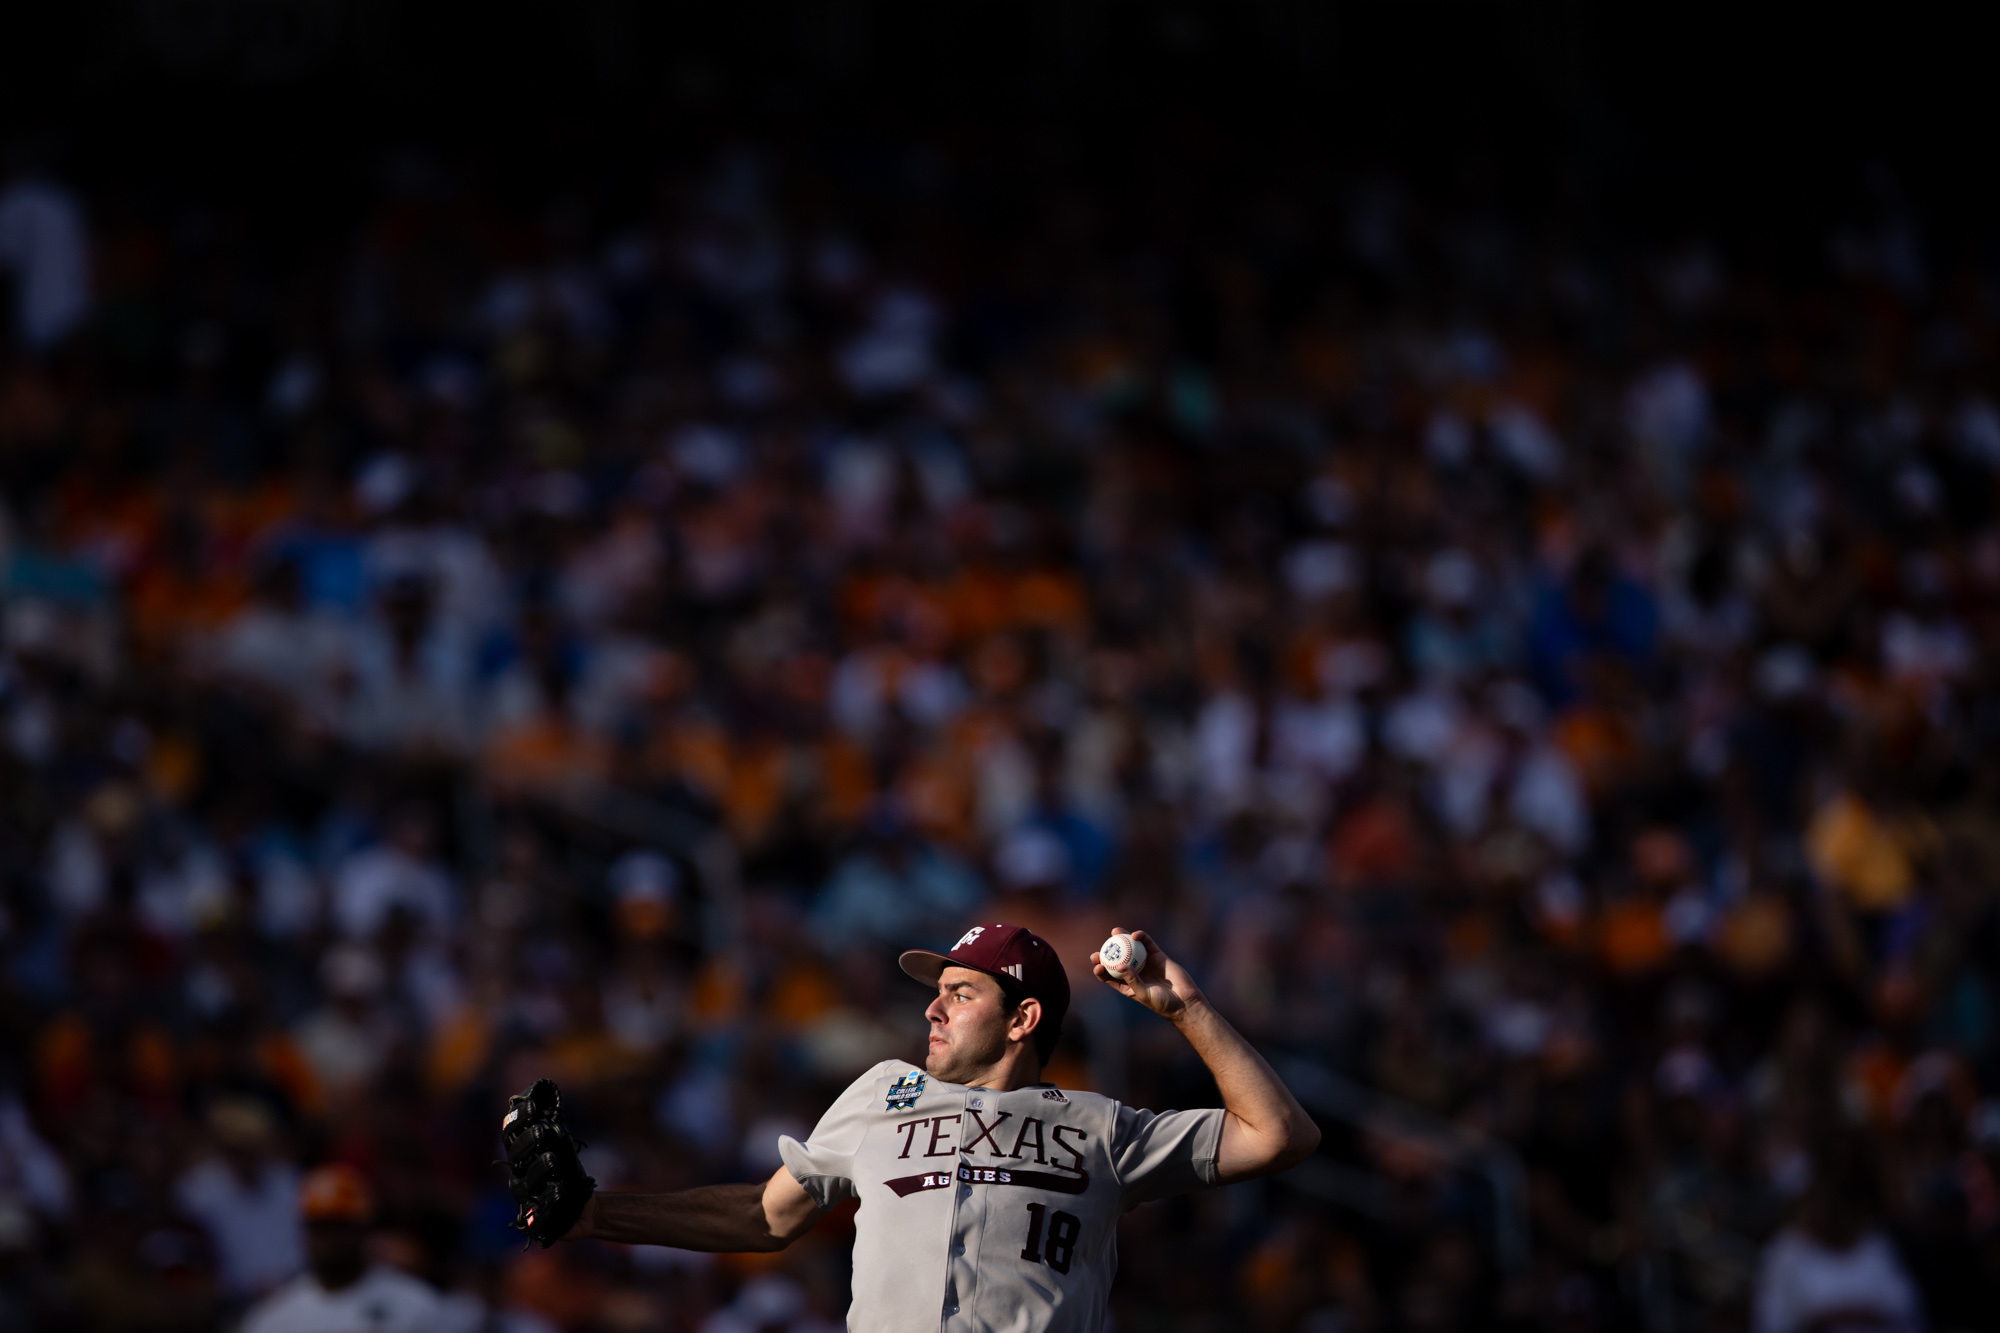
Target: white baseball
{"x": 1122, "y": 955}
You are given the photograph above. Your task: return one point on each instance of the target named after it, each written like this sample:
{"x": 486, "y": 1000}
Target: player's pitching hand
{"x": 1160, "y": 984}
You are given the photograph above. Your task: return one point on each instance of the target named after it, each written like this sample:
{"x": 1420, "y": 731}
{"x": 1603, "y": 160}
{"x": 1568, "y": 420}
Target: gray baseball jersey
{"x": 991, "y": 1212}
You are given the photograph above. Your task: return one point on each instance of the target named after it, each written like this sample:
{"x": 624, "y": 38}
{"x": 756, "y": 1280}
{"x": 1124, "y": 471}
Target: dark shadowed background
{"x": 554, "y": 539}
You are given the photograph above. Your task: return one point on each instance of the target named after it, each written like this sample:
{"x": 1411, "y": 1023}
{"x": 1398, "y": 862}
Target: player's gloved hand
{"x": 1160, "y": 984}
{"x": 544, "y": 1175}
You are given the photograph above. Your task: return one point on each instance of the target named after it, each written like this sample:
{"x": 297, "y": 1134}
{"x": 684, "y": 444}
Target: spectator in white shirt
{"x": 346, "y": 1040}
{"x": 1832, "y": 1272}
{"x": 45, "y": 249}
{"x": 401, "y": 872}
{"x": 411, "y": 678}
{"x": 342, "y": 1292}
{"x": 247, "y": 1198}
{"x": 30, "y": 1171}
{"x": 771, "y": 1303}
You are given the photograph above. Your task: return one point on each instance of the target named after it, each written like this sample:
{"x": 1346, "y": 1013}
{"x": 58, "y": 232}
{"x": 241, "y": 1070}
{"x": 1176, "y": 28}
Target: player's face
{"x": 969, "y": 1022}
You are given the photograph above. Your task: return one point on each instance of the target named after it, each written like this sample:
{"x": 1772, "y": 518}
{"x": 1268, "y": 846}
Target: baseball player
{"x": 989, "y": 1198}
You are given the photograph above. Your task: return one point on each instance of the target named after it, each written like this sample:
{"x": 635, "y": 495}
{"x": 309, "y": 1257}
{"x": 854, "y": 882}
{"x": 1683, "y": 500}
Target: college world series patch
{"x": 903, "y": 1093}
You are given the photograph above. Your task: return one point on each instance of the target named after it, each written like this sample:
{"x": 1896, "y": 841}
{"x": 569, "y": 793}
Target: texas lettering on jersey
{"x": 1033, "y": 1141}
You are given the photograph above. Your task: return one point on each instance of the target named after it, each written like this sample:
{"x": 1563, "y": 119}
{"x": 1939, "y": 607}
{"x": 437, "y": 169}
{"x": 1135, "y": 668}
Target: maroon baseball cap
{"x": 1023, "y": 961}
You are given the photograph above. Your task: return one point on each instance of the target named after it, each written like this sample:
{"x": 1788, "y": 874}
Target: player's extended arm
{"x": 724, "y": 1219}
{"x": 1264, "y": 1129}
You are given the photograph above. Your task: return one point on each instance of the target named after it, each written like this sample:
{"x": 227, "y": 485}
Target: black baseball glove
{"x": 543, "y": 1173}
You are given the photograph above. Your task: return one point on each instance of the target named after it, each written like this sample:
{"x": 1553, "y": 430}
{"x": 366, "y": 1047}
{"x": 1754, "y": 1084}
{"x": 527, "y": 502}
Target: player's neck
{"x": 1018, "y": 1068}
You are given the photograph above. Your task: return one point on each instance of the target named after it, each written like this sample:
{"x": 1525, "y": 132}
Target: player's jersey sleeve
{"x": 824, "y": 1163}
{"x": 1163, "y": 1153}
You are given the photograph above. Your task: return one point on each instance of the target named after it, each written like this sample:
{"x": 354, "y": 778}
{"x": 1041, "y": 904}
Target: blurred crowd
{"x": 1540, "y": 679}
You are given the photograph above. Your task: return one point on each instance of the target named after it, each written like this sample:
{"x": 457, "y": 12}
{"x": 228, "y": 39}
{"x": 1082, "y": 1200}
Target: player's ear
{"x": 1027, "y": 1017}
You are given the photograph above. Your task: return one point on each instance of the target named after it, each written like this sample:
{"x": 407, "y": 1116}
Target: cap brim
{"x": 925, "y": 965}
